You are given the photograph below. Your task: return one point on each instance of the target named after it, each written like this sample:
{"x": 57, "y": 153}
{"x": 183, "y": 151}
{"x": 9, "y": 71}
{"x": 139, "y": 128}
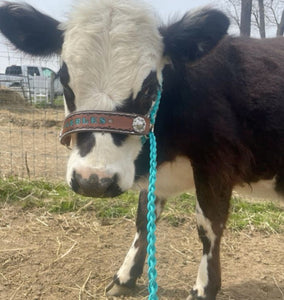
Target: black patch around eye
{"x": 150, "y": 84}
{"x": 118, "y": 138}
{"x": 143, "y": 102}
{"x": 70, "y": 98}
{"x": 85, "y": 142}
{"x": 68, "y": 93}
{"x": 148, "y": 92}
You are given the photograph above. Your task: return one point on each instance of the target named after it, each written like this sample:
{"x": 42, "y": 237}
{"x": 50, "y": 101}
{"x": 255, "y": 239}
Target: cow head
{"x": 113, "y": 54}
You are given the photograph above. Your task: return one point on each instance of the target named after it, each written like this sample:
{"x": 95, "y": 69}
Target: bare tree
{"x": 280, "y": 26}
{"x": 258, "y": 20}
{"x": 233, "y": 8}
{"x": 276, "y": 14}
{"x": 246, "y": 10}
{"x": 265, "y": 14}
{"x": 261, "y": 19}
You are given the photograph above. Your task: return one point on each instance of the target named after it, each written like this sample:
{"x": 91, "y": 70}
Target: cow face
{"x": 113, "y": 54}
{"x": 111, "y": 63}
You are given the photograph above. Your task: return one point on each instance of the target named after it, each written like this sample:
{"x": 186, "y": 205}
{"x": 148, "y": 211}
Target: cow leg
{"x": 132, "y": 268}
{"x": 213, "y": 201}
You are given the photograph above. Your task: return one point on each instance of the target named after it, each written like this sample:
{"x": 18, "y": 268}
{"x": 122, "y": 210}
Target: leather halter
{"x": 103, "y": 121}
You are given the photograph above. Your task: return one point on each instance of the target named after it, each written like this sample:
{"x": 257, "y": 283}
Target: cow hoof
{"x": 115, "y": 290}
{"x": 193, "y": 296}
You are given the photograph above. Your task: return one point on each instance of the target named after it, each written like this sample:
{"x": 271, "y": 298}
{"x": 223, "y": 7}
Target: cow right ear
{"x": 194, "y": 35}
{"x": 30, "y": 30}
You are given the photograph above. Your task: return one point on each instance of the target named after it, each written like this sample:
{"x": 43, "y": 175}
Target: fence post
{"x": 29, "y": 89}
{"x": 52, "y": 80}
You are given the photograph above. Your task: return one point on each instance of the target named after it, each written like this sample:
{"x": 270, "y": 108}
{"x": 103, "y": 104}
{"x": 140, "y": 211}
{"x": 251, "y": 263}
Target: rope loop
{"x": 151, "y": 218}
{"x": 151, "y": 206}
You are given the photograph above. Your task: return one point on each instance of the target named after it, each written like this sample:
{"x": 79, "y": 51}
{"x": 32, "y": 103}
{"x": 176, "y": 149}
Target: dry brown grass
{"x": 74, "y": 256}
{"x": 11, "y": 98}
{"x": 29, "y": 142}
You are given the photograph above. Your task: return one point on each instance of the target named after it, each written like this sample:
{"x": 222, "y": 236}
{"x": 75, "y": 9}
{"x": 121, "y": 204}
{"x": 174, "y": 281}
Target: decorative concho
{"x": 139, "y": 124}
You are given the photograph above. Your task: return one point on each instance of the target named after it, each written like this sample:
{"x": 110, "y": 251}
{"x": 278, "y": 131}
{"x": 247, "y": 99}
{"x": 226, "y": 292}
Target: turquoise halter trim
{"x": 151, "y": 216}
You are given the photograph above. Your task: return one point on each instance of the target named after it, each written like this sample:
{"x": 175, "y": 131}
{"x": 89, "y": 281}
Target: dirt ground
{"x": 74, "y": 256}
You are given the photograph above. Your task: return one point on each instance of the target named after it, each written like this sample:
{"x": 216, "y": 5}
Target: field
{"x": 57, "y": 245}
{"x": 29, "y": 141}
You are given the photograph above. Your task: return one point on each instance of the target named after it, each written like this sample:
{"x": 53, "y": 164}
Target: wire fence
{"x": 31, "y": 115}
{"x": 29, "y": 144}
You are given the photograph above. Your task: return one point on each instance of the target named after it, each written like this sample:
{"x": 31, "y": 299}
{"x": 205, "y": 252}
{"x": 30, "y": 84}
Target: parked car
{"x": 33, "y": 82}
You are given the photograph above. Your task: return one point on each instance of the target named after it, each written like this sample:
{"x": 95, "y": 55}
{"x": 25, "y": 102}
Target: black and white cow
{"x": 221, "y": 112}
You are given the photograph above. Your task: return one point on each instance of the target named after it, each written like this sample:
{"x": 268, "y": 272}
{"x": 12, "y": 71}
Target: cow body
{"x": 221, "y": 113}
{"x": 225, "y": 112}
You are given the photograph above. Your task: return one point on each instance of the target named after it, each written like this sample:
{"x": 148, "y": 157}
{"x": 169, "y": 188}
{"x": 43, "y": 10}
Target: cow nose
{"x": 94, "y": 186}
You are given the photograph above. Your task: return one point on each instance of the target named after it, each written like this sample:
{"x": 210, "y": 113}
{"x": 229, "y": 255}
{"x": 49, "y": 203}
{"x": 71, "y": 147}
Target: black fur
{"x": 118, "y": 138}
{"x": 68, "y": 93}
{"x": 194, "y": 35}
{"x": 85, "y": 143}
{"x": 226, "y": 112}
{"x": 144, "y": 99}
{"x": 30, "y": 30}
{"x": 141, "y": 104}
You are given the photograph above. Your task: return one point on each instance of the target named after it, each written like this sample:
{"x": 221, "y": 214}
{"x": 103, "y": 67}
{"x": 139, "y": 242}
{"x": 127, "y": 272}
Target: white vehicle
{"x": 32, "y": 82}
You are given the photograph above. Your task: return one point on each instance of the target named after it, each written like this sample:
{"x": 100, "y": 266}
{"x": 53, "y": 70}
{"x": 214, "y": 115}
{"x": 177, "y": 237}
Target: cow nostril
{"x": 105, "y": 182}
{"x": 74, "y": 183}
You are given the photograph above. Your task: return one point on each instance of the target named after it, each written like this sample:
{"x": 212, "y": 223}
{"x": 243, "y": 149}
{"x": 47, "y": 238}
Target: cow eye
{"x": 148, "y": 92}
{"x": 149, "y": 87}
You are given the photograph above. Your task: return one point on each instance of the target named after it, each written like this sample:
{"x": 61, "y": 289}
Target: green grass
{"x": 58, "y": 198}
{"x": 263, "y": 216}
{"x": 58, "y": 102}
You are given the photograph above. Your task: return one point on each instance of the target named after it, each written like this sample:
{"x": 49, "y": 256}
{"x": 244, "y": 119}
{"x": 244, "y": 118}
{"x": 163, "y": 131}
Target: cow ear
{"x": 194, "y": 35}
{"x": 30, "y": 30}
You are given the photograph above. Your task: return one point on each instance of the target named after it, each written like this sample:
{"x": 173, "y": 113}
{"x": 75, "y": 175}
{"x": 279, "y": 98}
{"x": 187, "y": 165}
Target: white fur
{"x": 173, "y": 178}
{"x": 206, "y": 224}
{"x": 159, "y": 207}
{"x": 110, "y": 47}
{"x": 124, "y": 272}
{"x": 108, "y": 159}
{"x": 202, "y": 276}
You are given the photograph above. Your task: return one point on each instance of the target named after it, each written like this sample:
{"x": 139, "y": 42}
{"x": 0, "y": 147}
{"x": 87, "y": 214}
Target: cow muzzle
{"x": 95, "y": 184}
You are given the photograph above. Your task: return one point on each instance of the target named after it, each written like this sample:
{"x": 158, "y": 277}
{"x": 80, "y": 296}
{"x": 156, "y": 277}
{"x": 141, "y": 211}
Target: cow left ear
{"x": 194, "y": 35}
{"x": 30, "y": 30}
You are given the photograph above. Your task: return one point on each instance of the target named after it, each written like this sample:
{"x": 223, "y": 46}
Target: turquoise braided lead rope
{"x": 151, "y": 216}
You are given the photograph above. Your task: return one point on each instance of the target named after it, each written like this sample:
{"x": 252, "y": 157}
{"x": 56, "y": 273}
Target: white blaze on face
{"x": 110, "y": 47}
